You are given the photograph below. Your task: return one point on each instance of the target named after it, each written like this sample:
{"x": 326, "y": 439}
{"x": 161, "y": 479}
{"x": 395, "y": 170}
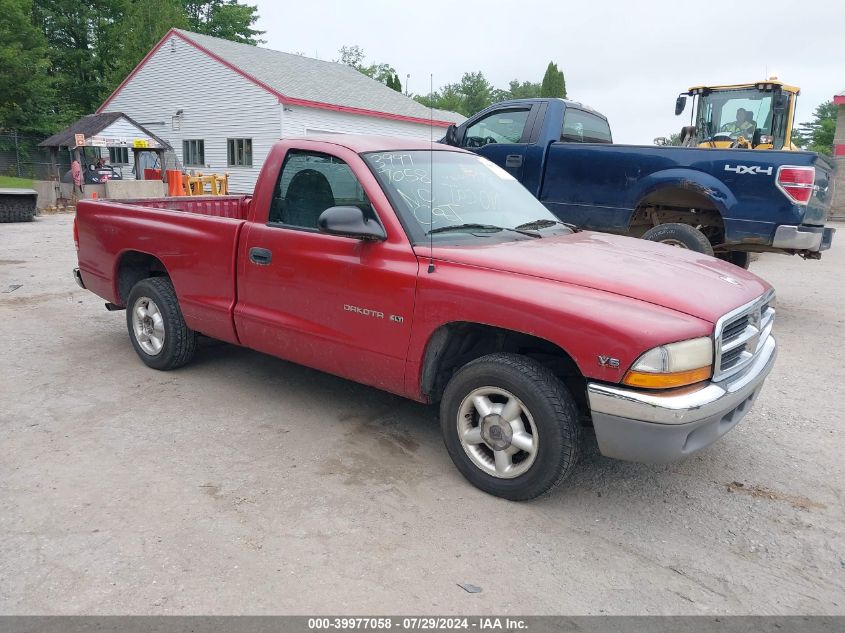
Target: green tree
{"x": 448, "y": 98}
{"x": 554, "y": 85}
{"x": 477, "y": 92}
{"x": 93, "y": 44}
{"x": 26, "y": 91}
{"x": 81, "y": 49}
{"x": 817, "y": 135}
{"x": 223, "y": 18}
{"x": 384, "y": 73}
{"x": 393, "y": 82}
{"x": 471, "y": 94}
{"x": 353, "y": 56}
{"x": 523, "y": 90}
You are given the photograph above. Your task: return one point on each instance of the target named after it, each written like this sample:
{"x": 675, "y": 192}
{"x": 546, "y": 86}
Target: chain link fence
{"x": 20, "y": 156}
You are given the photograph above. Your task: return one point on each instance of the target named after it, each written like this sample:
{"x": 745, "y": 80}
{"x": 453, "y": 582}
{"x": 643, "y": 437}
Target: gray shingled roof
{"x": 301, "y": 77}
{"x": 91, "y": 125}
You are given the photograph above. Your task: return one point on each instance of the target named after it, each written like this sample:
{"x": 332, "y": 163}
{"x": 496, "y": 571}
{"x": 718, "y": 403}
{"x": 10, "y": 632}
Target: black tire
{"x": 681, "y": 236}
{"x": 738, "y": 258}
{"x": 180, "y": 342}
{"x": 16, "y": 208}
{"x": 555, "y": 418}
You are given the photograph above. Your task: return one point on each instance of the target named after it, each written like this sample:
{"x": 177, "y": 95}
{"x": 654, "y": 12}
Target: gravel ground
{"x": 245, "y": 484}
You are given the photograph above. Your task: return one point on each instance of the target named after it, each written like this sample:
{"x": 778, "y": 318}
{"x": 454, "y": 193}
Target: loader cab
{"x": 747, "y": 116}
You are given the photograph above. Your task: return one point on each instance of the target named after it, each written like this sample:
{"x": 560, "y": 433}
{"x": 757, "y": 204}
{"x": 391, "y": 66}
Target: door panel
{"x": 508, "y": 156}
{"x": 589, "y": 184}
{"x": 333, "y": 303}
{"x": 338, "y": 304}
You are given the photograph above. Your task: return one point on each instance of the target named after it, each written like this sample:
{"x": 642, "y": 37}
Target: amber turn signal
{"x": 650, "y": 380}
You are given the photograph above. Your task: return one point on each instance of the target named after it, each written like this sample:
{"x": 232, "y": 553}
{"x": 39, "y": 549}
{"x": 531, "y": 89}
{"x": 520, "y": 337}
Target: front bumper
{"x": 658, "y": 428}
{"x": 803, "y": 238}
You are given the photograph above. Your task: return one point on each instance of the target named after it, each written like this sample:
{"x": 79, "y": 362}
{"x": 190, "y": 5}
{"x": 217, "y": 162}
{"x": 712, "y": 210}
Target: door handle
{"x": 260, "y": 256}
{"x": 513, "y": 160}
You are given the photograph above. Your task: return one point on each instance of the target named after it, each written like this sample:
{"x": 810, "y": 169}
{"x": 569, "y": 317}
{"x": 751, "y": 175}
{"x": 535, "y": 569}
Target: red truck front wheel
{"x": 510, "y": 426}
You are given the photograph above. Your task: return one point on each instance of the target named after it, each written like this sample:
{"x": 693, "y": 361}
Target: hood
{"x": 675, "y": 278}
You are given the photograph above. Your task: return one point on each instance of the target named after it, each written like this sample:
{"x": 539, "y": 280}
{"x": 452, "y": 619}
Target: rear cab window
{"x": 580, "y": 126}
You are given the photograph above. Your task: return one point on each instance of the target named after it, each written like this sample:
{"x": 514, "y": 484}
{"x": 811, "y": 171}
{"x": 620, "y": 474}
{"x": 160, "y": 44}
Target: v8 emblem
{"x": 607, "y": 361}
{"x": 749, "y": 169}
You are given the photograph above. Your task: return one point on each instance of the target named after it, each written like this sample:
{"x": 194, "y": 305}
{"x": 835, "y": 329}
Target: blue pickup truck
{"x": 723, "y": 202}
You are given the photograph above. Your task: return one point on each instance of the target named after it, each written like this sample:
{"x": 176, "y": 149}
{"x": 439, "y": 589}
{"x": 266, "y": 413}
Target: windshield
{"x": 735, "y": 113}
{"x": 464, "y": 189}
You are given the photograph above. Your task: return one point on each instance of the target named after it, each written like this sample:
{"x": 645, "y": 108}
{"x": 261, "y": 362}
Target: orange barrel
{"x": 174, "y": 183}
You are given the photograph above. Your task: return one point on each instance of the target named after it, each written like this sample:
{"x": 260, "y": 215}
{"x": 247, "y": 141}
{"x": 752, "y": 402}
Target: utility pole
{"x": 407, "y": 80}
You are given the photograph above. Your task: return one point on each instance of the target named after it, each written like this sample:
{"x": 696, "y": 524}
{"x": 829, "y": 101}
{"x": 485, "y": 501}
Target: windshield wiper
{"x": 545, "y": 223}
{"x": 486, "y": 227}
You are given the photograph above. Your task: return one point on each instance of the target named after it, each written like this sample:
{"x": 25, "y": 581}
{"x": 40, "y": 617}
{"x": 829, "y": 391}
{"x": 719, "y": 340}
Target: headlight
{"x": 673, "y": 365}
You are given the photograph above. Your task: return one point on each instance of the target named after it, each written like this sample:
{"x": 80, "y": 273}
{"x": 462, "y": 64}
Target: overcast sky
{"x": 627, "y": 59}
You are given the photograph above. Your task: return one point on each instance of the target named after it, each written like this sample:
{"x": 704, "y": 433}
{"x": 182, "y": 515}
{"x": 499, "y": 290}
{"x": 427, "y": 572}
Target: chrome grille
{"x": 740, "y": 335}
{"x": 735, "y": 328}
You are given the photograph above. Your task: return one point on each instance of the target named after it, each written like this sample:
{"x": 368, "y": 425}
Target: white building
{"x": 222, "y": 105}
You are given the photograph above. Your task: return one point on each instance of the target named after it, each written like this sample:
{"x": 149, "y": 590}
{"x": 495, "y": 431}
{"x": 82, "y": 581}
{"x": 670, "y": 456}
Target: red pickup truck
{"x": 429, "y": 272}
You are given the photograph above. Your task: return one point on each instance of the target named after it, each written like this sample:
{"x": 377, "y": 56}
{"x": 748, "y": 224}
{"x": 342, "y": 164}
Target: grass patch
{"x": 15, "y": 183}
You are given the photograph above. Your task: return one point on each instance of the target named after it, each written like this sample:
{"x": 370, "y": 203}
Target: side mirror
{"x": 452, "y": 135}
{"x": 350, "y": 222}
{"x": 680, "y": 104}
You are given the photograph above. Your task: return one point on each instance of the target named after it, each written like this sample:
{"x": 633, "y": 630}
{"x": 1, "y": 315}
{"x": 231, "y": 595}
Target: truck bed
{"x": 235, "y": 207}
{"x": 115, "y": 235}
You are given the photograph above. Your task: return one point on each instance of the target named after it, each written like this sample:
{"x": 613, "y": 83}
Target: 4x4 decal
{"x": 749, "y": 169}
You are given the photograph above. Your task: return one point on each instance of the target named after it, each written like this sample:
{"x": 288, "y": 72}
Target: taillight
{"x": 797, "y": 183}
{"x": 75, "y": 234}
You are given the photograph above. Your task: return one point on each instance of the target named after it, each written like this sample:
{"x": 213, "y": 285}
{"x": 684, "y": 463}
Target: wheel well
{"x": 133, "y": 267}
{"x": 681, "y": 205}
{"x": 454, "y": 345}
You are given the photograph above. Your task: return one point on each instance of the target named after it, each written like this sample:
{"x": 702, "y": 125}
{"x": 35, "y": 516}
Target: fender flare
{"x": 439, "y": 341}
{"x": 690, "y": 179}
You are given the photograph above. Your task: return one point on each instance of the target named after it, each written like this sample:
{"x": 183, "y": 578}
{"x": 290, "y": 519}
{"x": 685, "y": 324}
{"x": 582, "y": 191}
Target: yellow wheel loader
{"x": 748, "y": 116}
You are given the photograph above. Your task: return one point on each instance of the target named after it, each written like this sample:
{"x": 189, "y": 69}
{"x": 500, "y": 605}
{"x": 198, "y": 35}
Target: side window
{"x": 583, "y": 127}
{"x": 310, "y": 183}
{"x": 499, "y": 127}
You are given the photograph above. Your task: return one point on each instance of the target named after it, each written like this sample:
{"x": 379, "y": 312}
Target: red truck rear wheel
{"x": 510, "y": 425}
{"x": 157, "y": 329}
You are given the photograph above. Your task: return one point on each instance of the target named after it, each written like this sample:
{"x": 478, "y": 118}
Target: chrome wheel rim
{"x": 497, "y": 432}
{"x": 148, "y": 325}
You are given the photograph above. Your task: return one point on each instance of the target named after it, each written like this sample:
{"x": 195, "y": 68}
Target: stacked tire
{"x": 17, "y": 208}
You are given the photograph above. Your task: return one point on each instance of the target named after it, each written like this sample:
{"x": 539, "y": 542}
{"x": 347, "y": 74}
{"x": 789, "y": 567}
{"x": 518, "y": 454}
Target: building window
{"x": 239, "y": 152}
{"x": 193, "y": 152}
{"x": 119, "y": 155}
